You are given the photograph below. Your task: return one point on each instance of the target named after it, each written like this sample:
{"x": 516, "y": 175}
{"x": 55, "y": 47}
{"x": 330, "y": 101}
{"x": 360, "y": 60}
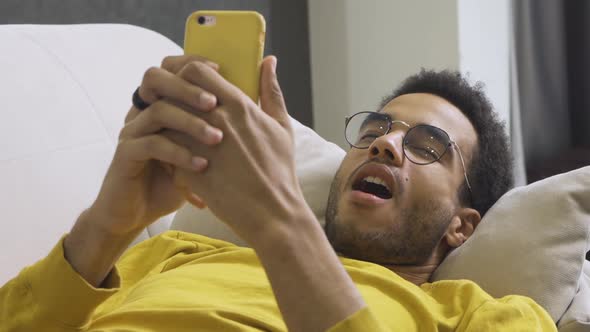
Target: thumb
{"x": 271, "y": 96}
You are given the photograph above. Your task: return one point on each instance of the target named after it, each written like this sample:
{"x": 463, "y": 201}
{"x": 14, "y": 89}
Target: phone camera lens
{"x": 201, "y": 20}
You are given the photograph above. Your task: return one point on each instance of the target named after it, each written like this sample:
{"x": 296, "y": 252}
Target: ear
{"x": 462, "y": 227}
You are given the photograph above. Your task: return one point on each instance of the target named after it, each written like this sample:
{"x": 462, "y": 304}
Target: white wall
{"x": 330, "y": 69}
{"x": 484, "y": 48}
{"x": 361, "y": 50}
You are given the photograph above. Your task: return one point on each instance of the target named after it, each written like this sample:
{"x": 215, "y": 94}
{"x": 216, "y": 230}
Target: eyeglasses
{"x": 422, "y": 144}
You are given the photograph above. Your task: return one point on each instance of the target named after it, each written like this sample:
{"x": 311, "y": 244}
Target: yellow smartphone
{"x": 232, "y": 39}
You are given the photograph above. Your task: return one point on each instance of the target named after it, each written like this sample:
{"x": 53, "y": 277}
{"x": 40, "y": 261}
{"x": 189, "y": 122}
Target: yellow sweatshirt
{"x": 185, "y": 282}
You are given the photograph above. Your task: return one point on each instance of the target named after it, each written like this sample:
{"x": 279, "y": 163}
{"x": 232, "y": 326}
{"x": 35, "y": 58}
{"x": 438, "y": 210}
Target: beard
{"x": 410, "y": 240}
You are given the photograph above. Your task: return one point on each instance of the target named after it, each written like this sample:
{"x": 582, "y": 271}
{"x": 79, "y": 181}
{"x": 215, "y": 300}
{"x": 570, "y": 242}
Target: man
{"x": 414, "y": 185}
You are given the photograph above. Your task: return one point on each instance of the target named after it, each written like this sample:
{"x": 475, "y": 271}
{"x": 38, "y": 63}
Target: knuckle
{"x": 167, "y": 62}
{"x": 122, "y": 134}
{"x": 150, "y": 115}
{"x": 195, "y": 68}
{"x": 199, "y": 126}
{"x": 151, "y": 74}
{"x": 130, "y": 115}
{"x": 149, "y": 78}
{"x": 242, "y": 104}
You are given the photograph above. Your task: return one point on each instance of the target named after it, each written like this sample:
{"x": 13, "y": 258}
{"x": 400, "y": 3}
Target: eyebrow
{"x": 439, "y": 135}
{"x": 373, "y": 116}
{"x": 392, "y": 118}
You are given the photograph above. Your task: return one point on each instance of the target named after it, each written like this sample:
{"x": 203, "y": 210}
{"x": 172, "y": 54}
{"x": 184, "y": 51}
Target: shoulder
{"x": 482, "y": 312}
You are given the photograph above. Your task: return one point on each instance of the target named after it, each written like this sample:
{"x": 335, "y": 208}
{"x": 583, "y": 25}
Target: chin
{"x": 366, "y": 219}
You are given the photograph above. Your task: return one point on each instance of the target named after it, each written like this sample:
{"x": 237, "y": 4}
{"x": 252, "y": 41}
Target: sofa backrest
{"x": 64, "y": 94}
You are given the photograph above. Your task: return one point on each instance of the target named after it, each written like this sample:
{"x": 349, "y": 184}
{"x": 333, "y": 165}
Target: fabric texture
{"x": 532, "y": 242}
{"x": 184, "y": 282}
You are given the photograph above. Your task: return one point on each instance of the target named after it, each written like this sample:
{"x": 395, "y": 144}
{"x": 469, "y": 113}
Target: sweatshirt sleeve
{"x": 51, "y": 296}
{"x": 510, "y": 313}
{"x": 362, "y": 320}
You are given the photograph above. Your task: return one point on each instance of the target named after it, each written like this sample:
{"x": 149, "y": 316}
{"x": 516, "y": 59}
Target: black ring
{"x": 139, "y": 103}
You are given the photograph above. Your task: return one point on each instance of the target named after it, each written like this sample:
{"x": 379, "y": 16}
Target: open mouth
{"x": 373, "y": 185}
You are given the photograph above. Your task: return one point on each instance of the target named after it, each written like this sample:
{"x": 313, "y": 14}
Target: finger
{"x": 208, "y": 79}
{"x": 272, "y": 101}
{"x": 163, "y": 115}
{"x": 159, "y": 83}
{"x": 194, "y": 199}
{"x": 133, "y": 112}
{"x": 175, "y": 63}
{"x": 158, "y": 147}
{"x": 168, "y": 168}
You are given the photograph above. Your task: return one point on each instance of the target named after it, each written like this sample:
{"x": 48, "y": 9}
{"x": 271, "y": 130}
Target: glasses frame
{"x": 390, "y": 124}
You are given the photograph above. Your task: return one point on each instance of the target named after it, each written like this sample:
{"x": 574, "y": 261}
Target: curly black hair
{"x": 491, "y": 169}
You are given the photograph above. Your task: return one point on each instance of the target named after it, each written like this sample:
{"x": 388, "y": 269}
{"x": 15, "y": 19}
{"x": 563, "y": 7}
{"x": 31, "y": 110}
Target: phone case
{"x": 235, "y": 41}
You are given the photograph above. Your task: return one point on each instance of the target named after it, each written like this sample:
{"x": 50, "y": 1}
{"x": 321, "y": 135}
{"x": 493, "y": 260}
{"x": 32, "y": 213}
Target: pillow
{"x": 577, "y": 316}
{"x": 316, "y": 159}
{"x": 532, "y": 242}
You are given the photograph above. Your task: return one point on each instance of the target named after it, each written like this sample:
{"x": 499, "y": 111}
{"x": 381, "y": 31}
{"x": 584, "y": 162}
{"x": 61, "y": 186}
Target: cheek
{"x": 348, "y": 165}
{"x": 430, "y": 182}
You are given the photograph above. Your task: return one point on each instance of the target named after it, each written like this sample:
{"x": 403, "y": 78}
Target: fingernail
{"x": 215, "y": 134}
{"x": 207, "y": 99}
{"x": 199, "y": 163}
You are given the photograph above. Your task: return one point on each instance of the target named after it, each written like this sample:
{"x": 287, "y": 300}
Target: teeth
{"x": 376, "y": 180}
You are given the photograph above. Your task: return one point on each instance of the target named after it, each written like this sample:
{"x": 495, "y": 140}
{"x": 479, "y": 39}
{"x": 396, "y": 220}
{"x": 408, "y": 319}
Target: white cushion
{"x": 532, "y": 242}
{"x": 577, "y": 316}
{"x": 65, "y": 91}
{"x": 317, "y": 160}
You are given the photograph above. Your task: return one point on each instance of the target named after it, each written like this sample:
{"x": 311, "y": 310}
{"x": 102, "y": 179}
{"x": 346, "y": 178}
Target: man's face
{"x": 406, "y": 228}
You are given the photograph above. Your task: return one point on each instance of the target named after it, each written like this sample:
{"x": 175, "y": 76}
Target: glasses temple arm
{"x": 464, "y": 169}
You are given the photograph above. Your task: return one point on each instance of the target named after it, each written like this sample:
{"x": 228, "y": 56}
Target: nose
{"x": 389, "y": 147}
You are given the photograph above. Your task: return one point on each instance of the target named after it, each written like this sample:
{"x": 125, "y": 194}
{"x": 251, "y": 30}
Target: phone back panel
{"x": 235, "y": 41}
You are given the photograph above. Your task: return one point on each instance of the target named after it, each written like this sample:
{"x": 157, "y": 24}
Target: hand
{"x": 251, "y": 180}
{"x": 251, "y": 185}
{"x": 139, "y": 186}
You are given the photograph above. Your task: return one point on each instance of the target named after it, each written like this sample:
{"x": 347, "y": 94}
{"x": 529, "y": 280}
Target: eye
{"x": 428, "y": 153}
{"x": 368, "y": 136}
{"x": 423, "y": 153}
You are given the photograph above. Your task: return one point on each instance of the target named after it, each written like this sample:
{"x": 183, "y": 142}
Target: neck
{"x": 419, "y": 274}
{"x": 413, "y": 273}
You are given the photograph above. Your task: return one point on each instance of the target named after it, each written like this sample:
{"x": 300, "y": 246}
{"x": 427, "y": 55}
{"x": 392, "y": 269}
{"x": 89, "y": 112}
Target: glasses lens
{"x": 425, "y": 144}
{"x": 363, "y": 128}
